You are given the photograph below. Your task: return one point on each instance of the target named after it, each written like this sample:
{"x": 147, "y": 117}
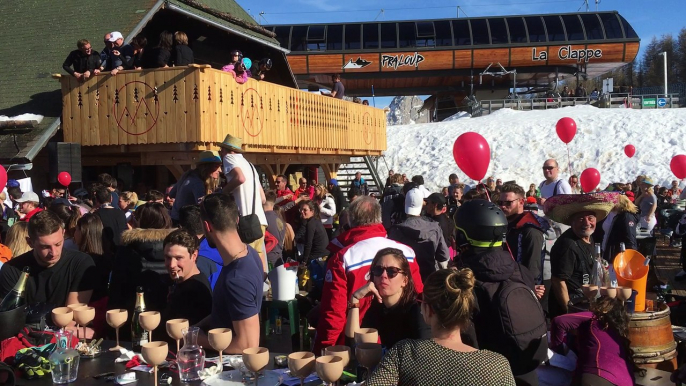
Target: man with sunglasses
{"x": 553, "y": 184}
{"x": 348, "y": 267}
{"x": 525, "y": 235}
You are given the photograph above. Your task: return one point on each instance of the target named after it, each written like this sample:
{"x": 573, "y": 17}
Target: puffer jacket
{"x": 139, "y": 261}
{"x": 327, "y": 209}
{"x": 425, "y": 237}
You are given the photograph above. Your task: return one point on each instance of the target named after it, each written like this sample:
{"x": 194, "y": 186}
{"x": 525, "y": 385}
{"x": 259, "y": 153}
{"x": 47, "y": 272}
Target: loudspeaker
{"x": 65, "y": 157}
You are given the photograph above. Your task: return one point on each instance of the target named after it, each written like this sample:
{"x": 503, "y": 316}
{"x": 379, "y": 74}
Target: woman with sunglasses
{"x": 447, "y": 306}
{"x": 396, "y": 313}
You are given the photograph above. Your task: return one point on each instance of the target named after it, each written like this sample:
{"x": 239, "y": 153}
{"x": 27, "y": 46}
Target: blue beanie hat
{"x": 333, "y": 181}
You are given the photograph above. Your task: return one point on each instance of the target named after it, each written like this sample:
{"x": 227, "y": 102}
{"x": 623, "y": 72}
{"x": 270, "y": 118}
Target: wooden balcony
{"x": 199, "y": 106}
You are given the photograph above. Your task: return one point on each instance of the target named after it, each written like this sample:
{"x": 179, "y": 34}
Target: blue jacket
{"x": 209, "y": 262}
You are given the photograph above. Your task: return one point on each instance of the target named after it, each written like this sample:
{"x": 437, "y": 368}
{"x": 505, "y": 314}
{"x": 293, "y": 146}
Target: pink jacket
{"x": 242, "y": 78}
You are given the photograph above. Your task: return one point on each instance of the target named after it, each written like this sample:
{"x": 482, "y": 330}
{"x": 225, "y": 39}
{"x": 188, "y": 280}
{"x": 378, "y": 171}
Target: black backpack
{"x": 513, "y": 322}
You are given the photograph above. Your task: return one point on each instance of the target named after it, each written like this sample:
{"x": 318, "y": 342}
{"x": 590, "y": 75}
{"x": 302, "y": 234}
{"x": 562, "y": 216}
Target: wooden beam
{"x": 15, "y": 124}
{"x": 290, "y": 159}
{"x": 177, "y": 170}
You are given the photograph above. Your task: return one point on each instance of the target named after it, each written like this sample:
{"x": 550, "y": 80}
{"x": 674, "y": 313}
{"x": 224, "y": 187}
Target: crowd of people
{"x": 171, "y": 50}
{"x": 473, "y": 275}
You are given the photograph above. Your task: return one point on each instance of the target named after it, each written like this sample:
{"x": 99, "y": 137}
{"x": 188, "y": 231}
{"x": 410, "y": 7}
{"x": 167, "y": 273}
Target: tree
{"x": 680, "y": 57}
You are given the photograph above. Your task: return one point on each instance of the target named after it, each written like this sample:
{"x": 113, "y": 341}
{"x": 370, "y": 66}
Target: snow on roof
{"x": 22, "y": 117}
{"x": 521, "y": 141}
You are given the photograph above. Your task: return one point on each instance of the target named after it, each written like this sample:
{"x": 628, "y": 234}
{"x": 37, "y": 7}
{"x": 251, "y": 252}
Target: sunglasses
{"x": 548, "y": 167}
{"x": 391, "y": 272}
{"x": 506, "y": 203}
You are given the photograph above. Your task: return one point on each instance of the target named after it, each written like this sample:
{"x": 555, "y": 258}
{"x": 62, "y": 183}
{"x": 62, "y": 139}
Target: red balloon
{"x": 472, "y": 155}
{"x": 566, "y": 129}
{"x": 590, "y": 178}
{"x": 3, "y": 177}
{"x": 678, "y": 166}
{"x": 64, "y": 178}
{"x": 629, "y": 150}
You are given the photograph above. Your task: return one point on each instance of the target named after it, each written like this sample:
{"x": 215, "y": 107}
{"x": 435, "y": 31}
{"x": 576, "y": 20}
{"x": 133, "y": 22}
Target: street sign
{"x": 662, "y": 102}
{"x": 648, "y": 102}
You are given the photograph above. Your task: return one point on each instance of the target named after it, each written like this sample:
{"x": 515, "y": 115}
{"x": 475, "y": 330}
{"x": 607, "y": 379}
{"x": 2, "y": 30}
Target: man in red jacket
{"x": 348, "y": 269}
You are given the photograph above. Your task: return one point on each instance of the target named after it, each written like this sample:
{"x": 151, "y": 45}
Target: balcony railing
{"x": 197, "y": 104}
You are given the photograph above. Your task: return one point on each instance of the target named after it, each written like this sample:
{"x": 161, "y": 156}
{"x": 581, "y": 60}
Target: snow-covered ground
{"x": 521, "y": 141}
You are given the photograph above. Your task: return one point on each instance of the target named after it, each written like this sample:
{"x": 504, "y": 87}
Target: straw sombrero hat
{"x": 208, "y": 157}
{"x": 232, "y": 143}
{"x": 562, "y": 207}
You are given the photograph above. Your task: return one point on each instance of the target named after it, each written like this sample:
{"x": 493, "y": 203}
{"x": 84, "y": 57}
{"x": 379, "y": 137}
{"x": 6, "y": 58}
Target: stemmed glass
{"x": 116, "y": 319}
{"x": 149, "y": 320}
{"x": 368, "y": 355}
{"x": 367, "y": 335}
{"x": 83, "y": 316}
{"x": 73, "y": 307}
{"x": 339, "y": 351}
{"x": 155, "y": 353}
{"x": 62, "y": 316}
{"x": 329, "y": 368}
{"x": 610, "y": 292}
{"x": 220, "y": 339}
{"x": 301, "y": 364}
{"x": 623, "y": 293}
{"x": 255, "y": 360}
{"x": 175, "y": 329}
{"x": 590, "y": 291}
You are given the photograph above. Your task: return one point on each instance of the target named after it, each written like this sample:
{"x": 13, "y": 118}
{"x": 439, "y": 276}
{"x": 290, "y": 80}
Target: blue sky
{"x": 649, "y": 18}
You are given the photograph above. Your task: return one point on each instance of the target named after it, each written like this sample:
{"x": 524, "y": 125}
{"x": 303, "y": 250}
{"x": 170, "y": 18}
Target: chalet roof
{"x": 37, "y": 36}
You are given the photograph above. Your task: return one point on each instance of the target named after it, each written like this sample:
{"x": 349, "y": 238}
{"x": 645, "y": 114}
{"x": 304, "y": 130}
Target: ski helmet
{"x": 482, "y": 223}
{"x": 247, "y": 63}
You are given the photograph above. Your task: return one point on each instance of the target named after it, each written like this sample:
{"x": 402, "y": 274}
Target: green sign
{"x": 650, "y": 102}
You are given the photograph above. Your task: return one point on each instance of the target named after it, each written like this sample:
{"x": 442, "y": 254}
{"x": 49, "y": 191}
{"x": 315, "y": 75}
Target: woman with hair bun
{"x": 446, "y": 306}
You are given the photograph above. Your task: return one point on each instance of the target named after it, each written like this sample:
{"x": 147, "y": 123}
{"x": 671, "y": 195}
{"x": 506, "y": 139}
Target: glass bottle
{"x": 64, "y": 361}
{"x": 139, "y": 336}
{"x": 191, "y": 357}
{"x": 17, "y": 297}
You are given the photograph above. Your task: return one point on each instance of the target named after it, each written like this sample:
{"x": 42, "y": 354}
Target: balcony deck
{"x": 148, "y": 110}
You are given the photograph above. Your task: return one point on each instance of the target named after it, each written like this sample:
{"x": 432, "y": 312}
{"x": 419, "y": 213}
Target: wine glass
{"x": 255, "y": 360}
{"x": 83, "y": 316}
{"x": 367, "y": 335}
{"x": 623, "y": 293}
{"x": 590, "y": 291}
{"x": 62, "y": 316}
{"x": 72, "y": 307}
{"x": 329, "y": 368}
{"x": 368, "y": 355}
{"x": 339, "y": 351}
{"x": 608, "y": 291}
{"x": 175, "y": 329}
{"x": 149, "y": 320}
{"x": 301, "y": 364}
{"x": 220, "y": 339}
{"x": 116, "y": 319}
{"x": 155, "y": 353}
{"x": 76, "y": 305}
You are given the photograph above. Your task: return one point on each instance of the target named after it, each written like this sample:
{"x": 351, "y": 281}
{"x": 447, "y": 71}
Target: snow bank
{"x": 521, "y": 141}
{"x": 22, "y": 117}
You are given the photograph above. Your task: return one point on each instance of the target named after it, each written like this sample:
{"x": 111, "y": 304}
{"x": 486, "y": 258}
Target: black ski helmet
{"x": 482, "y": 223}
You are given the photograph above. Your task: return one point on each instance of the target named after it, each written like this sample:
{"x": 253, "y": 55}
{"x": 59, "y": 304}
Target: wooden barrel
{"x": 652, "y": 340}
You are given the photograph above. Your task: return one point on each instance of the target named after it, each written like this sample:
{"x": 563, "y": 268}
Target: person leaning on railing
{"x": 82, "y": 62}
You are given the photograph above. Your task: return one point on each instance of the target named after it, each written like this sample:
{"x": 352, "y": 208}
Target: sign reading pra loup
{"x": 401, "y": 60}
{"x": 567, "y": 53}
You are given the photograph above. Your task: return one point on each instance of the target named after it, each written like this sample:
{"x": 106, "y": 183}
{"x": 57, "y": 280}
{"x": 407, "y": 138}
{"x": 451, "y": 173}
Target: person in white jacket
{"x": 327, "y": 207}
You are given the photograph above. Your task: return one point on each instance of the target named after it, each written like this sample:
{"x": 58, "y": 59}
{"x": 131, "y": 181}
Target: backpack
{"x": 515, "y": 324}
{"x": 557, "y": 184}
